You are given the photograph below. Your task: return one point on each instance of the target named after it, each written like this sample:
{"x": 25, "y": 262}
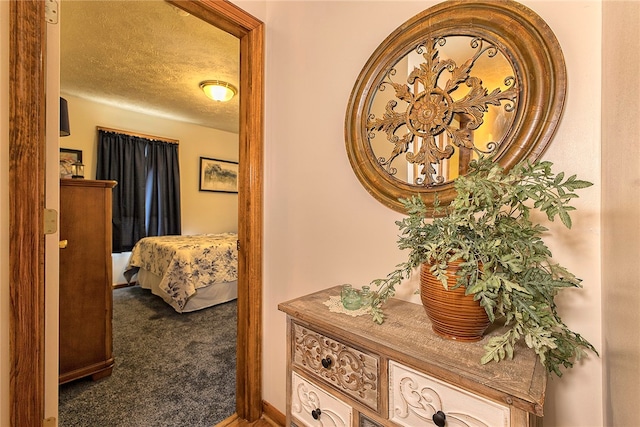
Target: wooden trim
{"x": 139, "y": 135}
{"x": 236, "y": 422}
{"x": 271, "y": 414}
{"x": 26, "y": 193}
{"x": 98, "y": 183}
{"x": 223, "y": 14}
{"x": 27, "y": 147}
{"x": 250, "y": 186}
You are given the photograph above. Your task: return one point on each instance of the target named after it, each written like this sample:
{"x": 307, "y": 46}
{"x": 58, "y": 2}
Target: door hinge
{"x": 50, "y": 221}
{"x": 238, "y": 244}
{"x": 51, "y": 11}
{"x": 49, "y": 422}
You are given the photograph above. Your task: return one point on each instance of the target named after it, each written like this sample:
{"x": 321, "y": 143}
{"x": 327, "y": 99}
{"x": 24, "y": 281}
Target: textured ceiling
{"x": 146, "y": 56}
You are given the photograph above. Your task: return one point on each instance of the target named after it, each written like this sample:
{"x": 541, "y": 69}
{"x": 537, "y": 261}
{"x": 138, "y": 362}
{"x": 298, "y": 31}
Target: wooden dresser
{"x": 349, "y": 371}
{"x": 86, "y": 299}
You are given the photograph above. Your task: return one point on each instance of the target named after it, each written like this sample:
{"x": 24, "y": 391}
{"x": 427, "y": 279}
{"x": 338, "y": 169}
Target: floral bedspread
{"x": 186, "y": 263}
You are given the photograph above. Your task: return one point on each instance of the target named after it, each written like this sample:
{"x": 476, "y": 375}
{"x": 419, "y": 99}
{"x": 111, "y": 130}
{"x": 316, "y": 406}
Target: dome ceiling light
{"x": 218, "y": 90}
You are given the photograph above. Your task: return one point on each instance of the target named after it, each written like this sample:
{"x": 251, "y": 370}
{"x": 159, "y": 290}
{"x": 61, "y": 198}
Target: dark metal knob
{"x": 439, "y": 419}
{"x": 316, "y": 413}
{"x": 326, "y": 362}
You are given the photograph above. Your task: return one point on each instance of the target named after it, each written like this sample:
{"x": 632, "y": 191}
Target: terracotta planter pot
{"x": 453, "y": 314}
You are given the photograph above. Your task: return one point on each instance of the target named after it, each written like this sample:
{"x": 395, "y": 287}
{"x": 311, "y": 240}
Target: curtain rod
{"x": 140, "y": 135}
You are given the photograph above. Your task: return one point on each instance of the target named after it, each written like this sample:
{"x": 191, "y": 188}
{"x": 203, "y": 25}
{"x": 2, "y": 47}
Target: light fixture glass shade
{"x": 218, "y": 90}
{"x": 77, "y": 170}
{"x": 65, "y": 129}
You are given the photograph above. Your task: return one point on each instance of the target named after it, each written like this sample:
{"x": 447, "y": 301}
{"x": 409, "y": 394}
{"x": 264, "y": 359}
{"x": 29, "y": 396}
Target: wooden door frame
{"x": 27, "y": 148}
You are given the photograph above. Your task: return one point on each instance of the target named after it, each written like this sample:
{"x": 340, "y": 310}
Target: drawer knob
{"x": 326, "y": 362}
{"x": 316, "y": 413}
{"x": 439, "y": 419}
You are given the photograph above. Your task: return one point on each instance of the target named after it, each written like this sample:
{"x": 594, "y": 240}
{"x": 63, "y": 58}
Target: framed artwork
{"x": 218, "y": 175}
{"x": 67, "y": 158}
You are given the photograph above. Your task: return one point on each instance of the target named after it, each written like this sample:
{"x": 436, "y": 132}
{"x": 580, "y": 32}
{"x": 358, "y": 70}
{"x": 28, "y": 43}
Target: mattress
{"x": 178, "y": 267}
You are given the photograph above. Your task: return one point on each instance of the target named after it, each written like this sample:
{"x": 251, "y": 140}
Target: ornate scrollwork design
{"x": 424, "y": 402}
{"x": 308, "y": 401}
{"x": 415, "y": 398}
{"x": 415, "y": 137}
{"x": 431, "y": 109}
{"x": 352, "y": 371}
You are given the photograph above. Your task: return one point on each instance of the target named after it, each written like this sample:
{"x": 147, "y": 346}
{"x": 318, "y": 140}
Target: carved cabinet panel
{"x": 314, "y": 407}
{"x": 414, "y": 398}
{"x": 352, "y": 371}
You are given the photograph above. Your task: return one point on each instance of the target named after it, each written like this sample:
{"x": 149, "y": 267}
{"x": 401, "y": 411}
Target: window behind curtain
{"x": 146, "y": 201}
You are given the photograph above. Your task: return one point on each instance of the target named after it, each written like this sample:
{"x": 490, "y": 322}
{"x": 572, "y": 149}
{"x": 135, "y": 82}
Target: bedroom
{"x": 109, "y": 96}
{"x": 195, "y": 142}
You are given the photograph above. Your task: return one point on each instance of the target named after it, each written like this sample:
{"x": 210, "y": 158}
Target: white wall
{"x": 202, "y": 211}
{"x": 322, "y": 228}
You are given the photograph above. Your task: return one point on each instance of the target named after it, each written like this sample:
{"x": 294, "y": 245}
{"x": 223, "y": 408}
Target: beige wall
{"x": 621, "y": 210}
{"x": 322, "y": 228}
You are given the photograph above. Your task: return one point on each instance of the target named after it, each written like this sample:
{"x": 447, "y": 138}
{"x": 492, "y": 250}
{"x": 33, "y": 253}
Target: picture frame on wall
{"x": 67, "y": 158}
{"x": 218, "y": 175}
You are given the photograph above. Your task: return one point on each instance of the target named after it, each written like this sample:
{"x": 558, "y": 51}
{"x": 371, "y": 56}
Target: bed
{"x": 189, "y": 272}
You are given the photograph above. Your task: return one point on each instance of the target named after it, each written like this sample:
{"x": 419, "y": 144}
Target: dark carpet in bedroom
{"x": 170, "y": 369}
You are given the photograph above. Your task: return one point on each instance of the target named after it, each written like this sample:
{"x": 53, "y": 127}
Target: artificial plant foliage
{"x": 505, "y": 265}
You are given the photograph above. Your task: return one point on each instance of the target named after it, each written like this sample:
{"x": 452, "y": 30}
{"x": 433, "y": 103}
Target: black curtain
{"x": 163, "y": 189}
{"x": 146, "y": 201}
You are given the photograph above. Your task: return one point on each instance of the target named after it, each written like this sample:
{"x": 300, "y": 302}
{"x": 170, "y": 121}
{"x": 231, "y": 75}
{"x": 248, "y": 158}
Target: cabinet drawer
{"x": 414, "y": 397}
{"x": 354, "y": 372}
{"x": 314, "y": 407}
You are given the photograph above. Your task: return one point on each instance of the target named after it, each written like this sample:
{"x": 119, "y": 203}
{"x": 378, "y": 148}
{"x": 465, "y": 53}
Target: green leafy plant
{"x": 505, "y": 265}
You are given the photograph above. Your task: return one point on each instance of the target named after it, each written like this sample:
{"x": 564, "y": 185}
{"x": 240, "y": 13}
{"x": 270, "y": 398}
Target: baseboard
{"x": 270, "y": 413}
{"x": 124, "y": 285}
{"x": 234, "y": 421}
{"x": 231, "y": 421}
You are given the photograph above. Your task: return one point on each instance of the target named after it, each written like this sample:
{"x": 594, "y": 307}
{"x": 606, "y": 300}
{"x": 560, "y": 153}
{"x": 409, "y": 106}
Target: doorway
{"x": 26, "y": 254}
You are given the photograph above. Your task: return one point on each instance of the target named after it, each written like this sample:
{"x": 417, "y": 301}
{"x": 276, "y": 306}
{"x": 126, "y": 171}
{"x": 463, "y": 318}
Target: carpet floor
{"x": 170, "y": 369}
